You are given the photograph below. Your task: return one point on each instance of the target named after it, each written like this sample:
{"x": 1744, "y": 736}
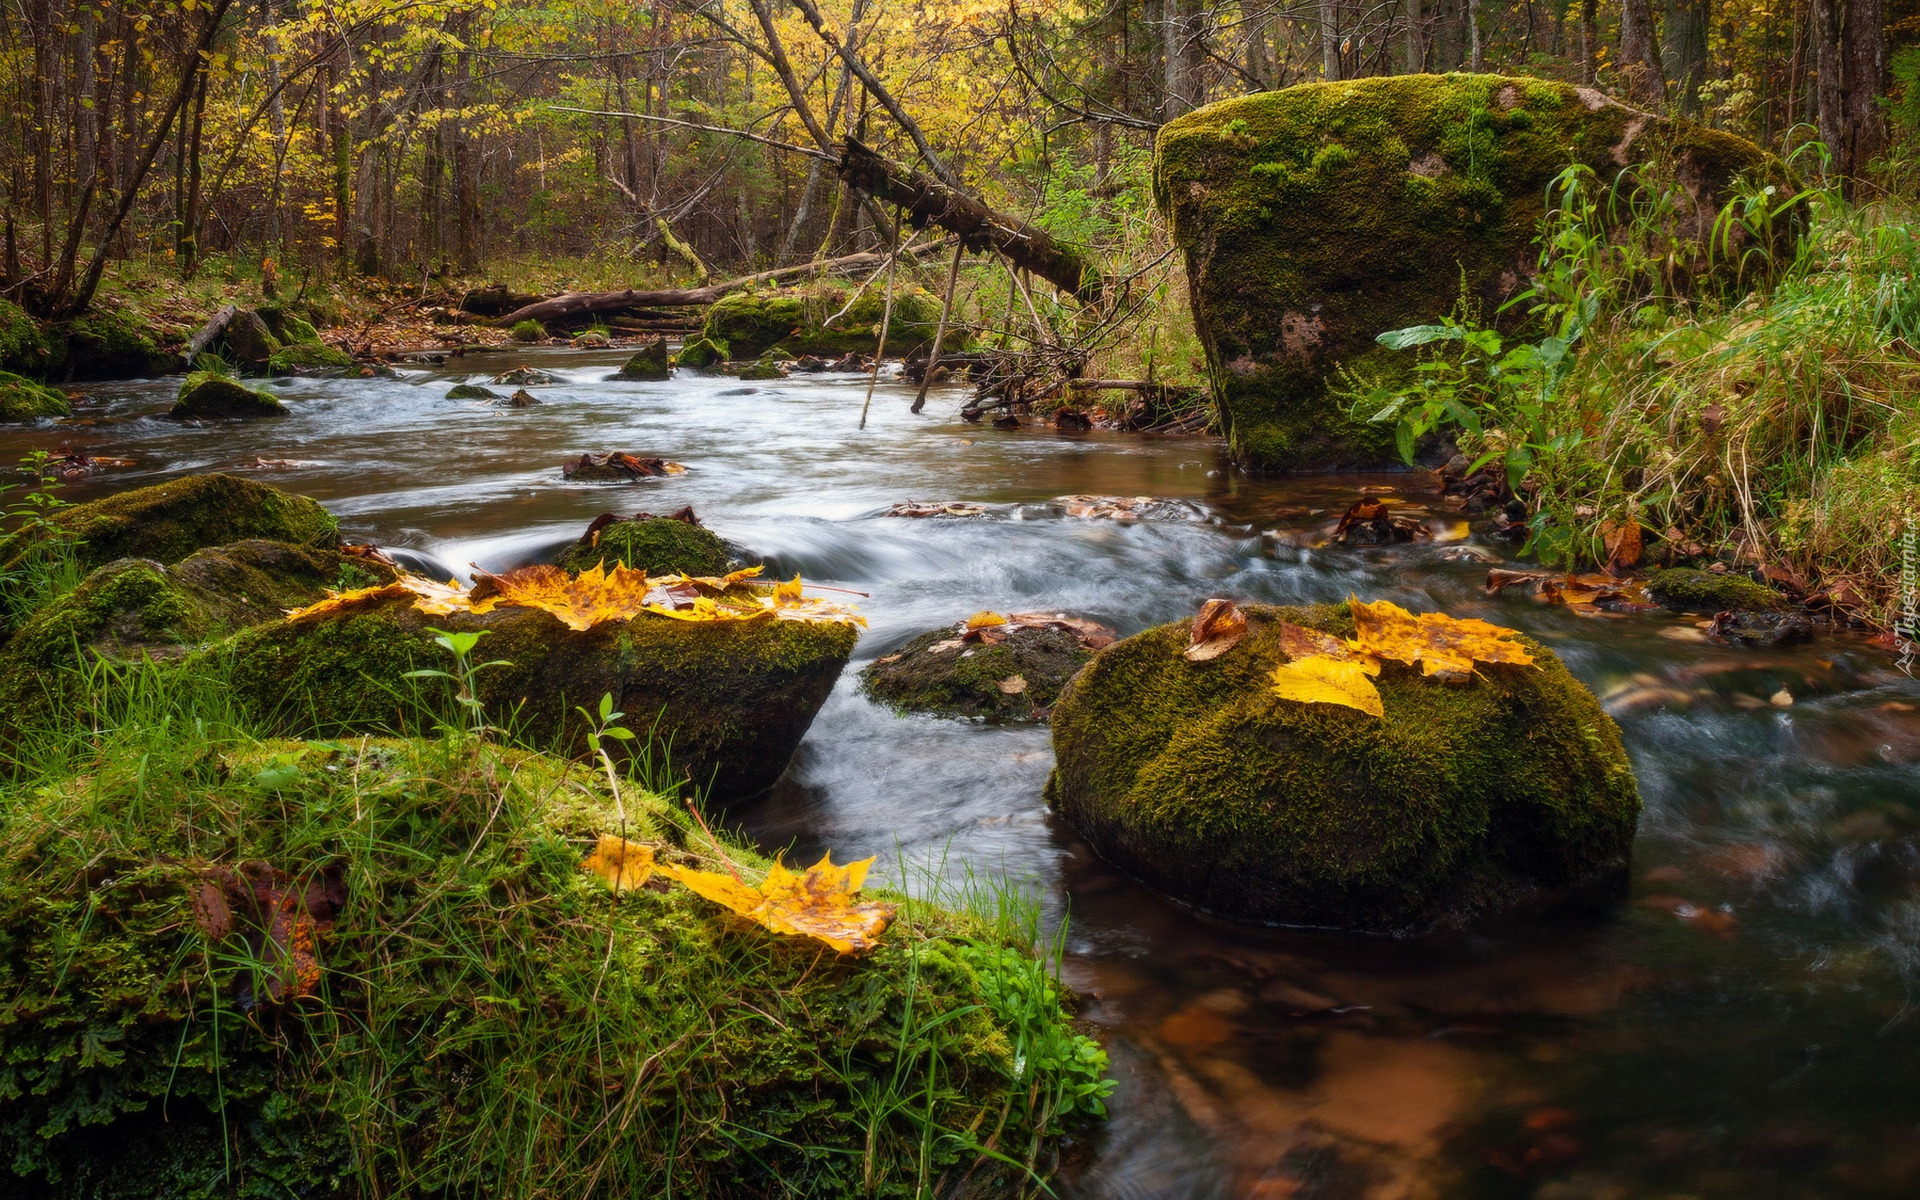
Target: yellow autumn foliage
{"x": 816, "y": 903}
{"x": 1323, "y": 669}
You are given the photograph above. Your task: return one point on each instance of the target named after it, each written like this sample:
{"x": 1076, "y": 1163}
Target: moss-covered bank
{"x": 748, "y": 324}
{"x": 731, "y": 699}
{"x": 481, "y": 1016}
{"x": 1317, "y": 217}
{"x": 22, "y": 399}
{"x": 168, "y": 521}
{"x": 1501, "y": 794}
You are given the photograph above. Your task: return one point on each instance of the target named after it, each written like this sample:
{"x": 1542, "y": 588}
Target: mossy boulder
{"x": 287, "y": 323}
{"x": 648, "y": 364}
{"x": 135, "y": 608}
{"x": 22, "y": 399}
{"x": 308, "y": 358}
{"x": 750, "y": 323}
{"x": 169, "y": 521}
{"x": 1508, "y": 793}
{"x": 701, "y": 353}
{"x": 109, "y": 342}
{"x": 731, "y": 699}
{"x": 206, "y": 396}
{"x": 248, "y": 341}
{"x": 472, "y": 391}
{"x": 761, "y": 369}
{"x": 1317, "y": 217}
{"x": 508, "y": 1014}
{"x": 1686, "y": 590}
{"x": 1014, "y": 680}
{"x": 656, "y": 545}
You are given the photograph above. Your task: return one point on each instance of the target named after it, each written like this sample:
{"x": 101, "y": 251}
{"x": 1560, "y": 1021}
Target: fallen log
{"x": 215, "y": 326}
{"x": 1112, "y": 385}
{"x": 579, "y": 304}
{"x": 927, "y": 201}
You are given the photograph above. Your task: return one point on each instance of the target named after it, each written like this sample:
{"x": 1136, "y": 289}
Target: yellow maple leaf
{"x": 338, "y": 601}
{"x": 579, "y": 602}
{"x": 787, "y": 593}
{"x": 816, "y": 903}
{"x": 1320, "y": 679}
{"x": 436, "y": 599}
{"x": 703, "y": 608}
{"x": 1442, "y": 645}
{"x": 623, "y": 864}
{"x": 715, "y": 583}
{"x": 985, "y": 619}
{"x": 428, "y": 596}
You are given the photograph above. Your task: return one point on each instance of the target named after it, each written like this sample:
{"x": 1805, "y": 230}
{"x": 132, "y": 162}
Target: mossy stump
{"x": 206, "y": 396}
{"x": 656, "y": 545}
{"x": 1317, "y": 217}
{"x": 22, "y": 399}
{"x": 1683, "y": 589}
{"x": 731, "y": 699}
{"x": 168, "y": 521}
{"x": 1017, "y": 679}
{"x": 1509, "y": 793}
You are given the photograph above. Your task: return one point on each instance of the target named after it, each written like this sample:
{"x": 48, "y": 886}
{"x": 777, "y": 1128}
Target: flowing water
{"x": 1744, "y": 1026}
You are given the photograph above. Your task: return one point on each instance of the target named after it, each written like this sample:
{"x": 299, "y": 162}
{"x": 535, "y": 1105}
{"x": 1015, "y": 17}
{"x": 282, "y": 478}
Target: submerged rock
{"x": 1317, "y": 217}
{"x": 765, "y": 368}
{"x": 1683, "y": 589}
{"x": 656, "y": 545}
{"x": 1017, "y": 678}
{"x": 524, "y": 377}
{"x": 1761, "y": 630}
{"x": 1509, "y": 792}
{"x": 207, "y": 396}
{"x": 649, "y": 363}
{"x": 169, "y": 521}
{"x": 618, "y": 467}
{"x": 732, "y": 699}
{"x": 472, "y": 391}
{"x": 22, "y": 399}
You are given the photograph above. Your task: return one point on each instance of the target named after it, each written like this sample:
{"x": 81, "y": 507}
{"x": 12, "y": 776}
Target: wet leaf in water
{"x": 1217, "y": 628}
{"x": 817, "y": 903}
{"x": 914, "y": 508}
{"x": 623, "y": 864}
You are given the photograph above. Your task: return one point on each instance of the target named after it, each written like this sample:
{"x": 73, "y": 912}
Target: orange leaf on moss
{"x": 817, "y": 903}
{"x": 579, "y": 602}
{"x": 1442, "y": 645}
{"x": 623, "y": 864}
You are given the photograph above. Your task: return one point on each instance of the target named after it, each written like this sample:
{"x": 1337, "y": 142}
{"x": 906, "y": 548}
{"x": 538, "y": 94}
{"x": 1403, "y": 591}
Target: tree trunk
{"x": 1850, "y": 67}
{"x": 1329, "y": 39}
{"x": 1639, "y": 59}
{"x": 1476, "y": 46}
{"x": 1683, "y": 47}
{"x": 1416, "y": 38}
{"x": 1589, "y": 42}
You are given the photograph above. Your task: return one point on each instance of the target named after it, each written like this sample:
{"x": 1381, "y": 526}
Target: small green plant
{"x": 40, "y": 559}
{"x": 1064, "y": 1072}
{"x": 466, "y": 679}
{"x": 528, "y": 331}
{"x": 353, "y": 576}
{"x": 602, "y": 728}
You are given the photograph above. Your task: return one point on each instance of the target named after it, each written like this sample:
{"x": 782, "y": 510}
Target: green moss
{"x": 25, "y": 349}
{"x": 701, "y": 353}
{"x": 1463, "y": 800}
{"x": 169, "y": 521}
{"x": 659, "y": 546}
{"x": 287, "y": 324}
{"x": 486, "y": 1018}
{"x": 528, "y": 331}
{"x": 733, "y": 698}
{"x": 649, "y": 363}
{"x": 1688, "y": 590}
{"x": 760, "y": 369}
{"x": 114, "y": 343}
{"x": 1317, "y": 217}
{"x": 471, "y": 391}
{"x": 965, "y": 681}
{"x": 22, "y": 399}
{"x": 205, "y": 395}
{"x": 751, "y": 323}
{"x": 298, "y": 358}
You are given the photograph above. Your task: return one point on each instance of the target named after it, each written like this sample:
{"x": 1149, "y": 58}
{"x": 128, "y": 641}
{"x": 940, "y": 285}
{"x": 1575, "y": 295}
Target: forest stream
{"x": 1744, "y": 1025}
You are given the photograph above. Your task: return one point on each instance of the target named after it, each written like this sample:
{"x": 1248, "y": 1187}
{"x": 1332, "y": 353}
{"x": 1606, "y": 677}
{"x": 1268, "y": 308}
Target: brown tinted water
{"x": 1743, "y": 1027}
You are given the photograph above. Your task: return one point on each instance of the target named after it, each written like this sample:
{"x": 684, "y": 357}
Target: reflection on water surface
{"x": 1742, "y": 1028}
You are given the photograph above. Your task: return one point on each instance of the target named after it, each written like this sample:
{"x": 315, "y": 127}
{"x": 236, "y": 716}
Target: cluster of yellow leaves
{"x": 597, "y": 595}
{"x": 1323, "y": 669}
{"x": 817, "y": 903}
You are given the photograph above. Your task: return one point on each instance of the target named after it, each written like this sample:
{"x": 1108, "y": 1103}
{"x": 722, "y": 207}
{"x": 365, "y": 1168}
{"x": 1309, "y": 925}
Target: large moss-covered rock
{"x": 22, "y": 399}
{"x": 206, "y": 396}
{"x": 136, "y": 608}
{"x": 648, "y": 364}
{"x": 1506, "y": 793}
{"x": 1014, "y": 680}
{"x": 308, "y": 358}
{"x": 113, "y": 342}
{"x": 731, "y": 699}
{"x": 248, "y": 341}
{"x": 700, "y": 353}
{"x": 750, "y": 323}
{"x": 657, "y": 545}
{"x": 503, "y": 1012}
{"x": 1317, "y": 217}
{"x": 169, "y": 521}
